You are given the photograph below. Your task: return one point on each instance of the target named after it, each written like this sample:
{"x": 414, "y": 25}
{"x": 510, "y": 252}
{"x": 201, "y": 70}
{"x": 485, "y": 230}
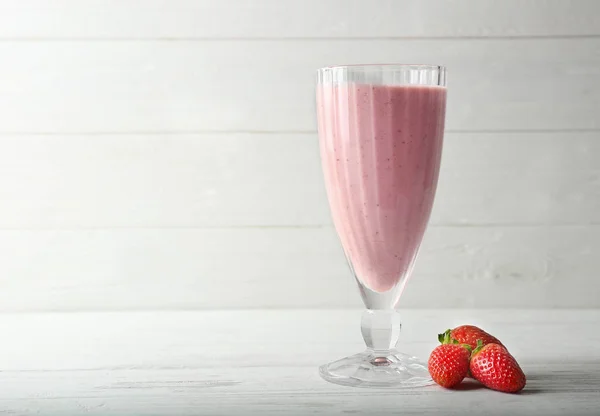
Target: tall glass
{"x": 380, "y": 131}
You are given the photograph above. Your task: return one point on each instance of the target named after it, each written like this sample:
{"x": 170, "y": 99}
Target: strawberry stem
{"x": 446, "y": 338}
{"x": 478, "y": 347}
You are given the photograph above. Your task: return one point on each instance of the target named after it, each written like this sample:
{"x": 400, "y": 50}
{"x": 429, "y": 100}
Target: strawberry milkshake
{"x": 380, "y": 149}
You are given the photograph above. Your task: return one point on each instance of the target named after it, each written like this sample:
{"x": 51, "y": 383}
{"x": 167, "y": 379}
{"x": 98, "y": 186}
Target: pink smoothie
{"x": 381, "y": 149}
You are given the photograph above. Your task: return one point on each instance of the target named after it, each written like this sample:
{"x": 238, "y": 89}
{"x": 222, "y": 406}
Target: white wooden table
{"x": 264, "y": 362}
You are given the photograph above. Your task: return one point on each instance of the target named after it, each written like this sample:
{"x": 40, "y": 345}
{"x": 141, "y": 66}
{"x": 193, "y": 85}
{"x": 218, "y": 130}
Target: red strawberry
{"x": 469, "y": 334}
{"x": 449, "y": 362}
{"x": 494, "y": 367}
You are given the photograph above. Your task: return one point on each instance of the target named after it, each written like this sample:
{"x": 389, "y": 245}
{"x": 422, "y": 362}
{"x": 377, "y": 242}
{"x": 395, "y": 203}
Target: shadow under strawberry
{"x": 469, "y": 384}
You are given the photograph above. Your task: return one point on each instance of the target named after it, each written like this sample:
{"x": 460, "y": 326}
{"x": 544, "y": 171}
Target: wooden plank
{"x": 265, "y": 362}
{"x": 542, "y": 178}
{"x": 200, "y": 180}
{"x": 74, "y": 270}
{"x": 271, "y": 391}
{"x": 186, "y": 339}
{"x": 151, "y": 19}
{"x": 162, "y": 180}
{"x": 268, "y": 86}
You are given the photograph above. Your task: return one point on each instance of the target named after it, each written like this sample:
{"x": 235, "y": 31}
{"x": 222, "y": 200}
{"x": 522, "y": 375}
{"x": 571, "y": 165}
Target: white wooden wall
{"x": 162, "y": 154}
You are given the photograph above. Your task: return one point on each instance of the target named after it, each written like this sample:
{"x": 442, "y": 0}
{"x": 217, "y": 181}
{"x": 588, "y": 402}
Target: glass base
{"x": 375, "y": 370}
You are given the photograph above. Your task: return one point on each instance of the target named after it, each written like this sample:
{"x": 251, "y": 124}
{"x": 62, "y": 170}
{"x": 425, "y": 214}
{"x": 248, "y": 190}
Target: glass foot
{"x": 368, "y": 369}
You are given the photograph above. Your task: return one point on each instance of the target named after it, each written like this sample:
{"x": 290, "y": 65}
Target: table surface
{"x": 264, "y": 362}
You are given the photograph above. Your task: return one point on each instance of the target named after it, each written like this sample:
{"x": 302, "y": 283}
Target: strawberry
{"x": 449, "y": 362}
{"x": 494, "y": 367}
{"x": 469, "y": 334}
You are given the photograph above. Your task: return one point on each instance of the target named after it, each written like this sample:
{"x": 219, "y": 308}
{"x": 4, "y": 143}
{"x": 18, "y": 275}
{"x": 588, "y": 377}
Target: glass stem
{"x": 381, "y": 332}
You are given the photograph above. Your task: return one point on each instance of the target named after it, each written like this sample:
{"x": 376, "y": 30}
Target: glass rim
{"x": 385, "y": 67}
